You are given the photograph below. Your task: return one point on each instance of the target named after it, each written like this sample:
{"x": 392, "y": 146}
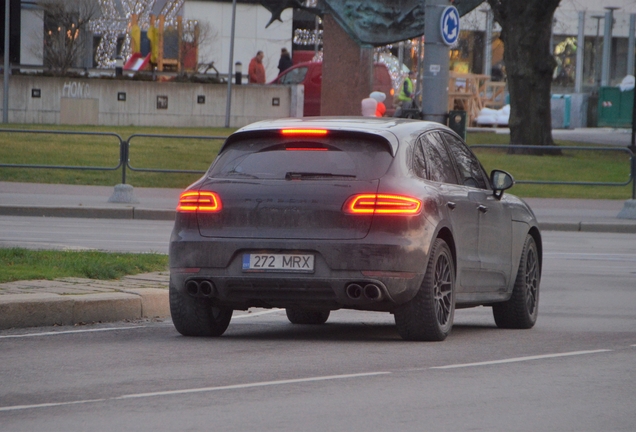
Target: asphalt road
{"x": 117, "y": 235}
{"x": 572, "y": 372}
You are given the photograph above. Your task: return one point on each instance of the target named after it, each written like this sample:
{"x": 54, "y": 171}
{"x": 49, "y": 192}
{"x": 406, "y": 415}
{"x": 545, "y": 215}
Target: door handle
{"x": 482, "y": 208}
{"x": 451, "y": 205}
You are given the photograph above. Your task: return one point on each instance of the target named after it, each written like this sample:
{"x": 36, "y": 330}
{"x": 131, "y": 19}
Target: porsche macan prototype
{"x": 388, "y": 215}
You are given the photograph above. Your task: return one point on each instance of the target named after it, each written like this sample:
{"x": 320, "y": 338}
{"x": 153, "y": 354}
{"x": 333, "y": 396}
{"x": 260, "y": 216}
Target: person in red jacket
{"x": 381, "y": 108}
{"x": 256, "y": 70}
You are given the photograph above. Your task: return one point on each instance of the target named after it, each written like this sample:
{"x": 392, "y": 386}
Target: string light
{"x": 115, "y": 23}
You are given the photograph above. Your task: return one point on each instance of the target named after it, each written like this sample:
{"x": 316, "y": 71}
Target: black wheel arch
{"x": 445, "y": 234}
{"x": 536, "y": 235}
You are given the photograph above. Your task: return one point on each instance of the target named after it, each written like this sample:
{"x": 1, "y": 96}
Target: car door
{"x": 495, "y": 226}
{"x": 433, "y": 162}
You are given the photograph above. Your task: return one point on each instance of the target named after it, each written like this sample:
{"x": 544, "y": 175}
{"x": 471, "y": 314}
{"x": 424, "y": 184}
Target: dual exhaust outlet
{"x": 204, "y": 288}
{"x": 370, "y": 291}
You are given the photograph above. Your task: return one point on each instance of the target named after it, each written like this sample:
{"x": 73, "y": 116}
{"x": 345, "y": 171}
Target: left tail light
{"x": 382, "y": 204}
{"x": 199, "y": 201}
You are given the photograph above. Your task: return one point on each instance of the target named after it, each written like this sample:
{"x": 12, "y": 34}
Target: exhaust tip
{"x": 206, "y": 288}
{"x": 372, "y": 292}
{"x": 192, "y": 287}
{"x": 354, "y": 291}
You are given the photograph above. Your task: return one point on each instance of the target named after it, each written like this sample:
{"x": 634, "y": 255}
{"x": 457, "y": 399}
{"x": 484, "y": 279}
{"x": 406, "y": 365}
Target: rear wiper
{"x": 314, "y": 175}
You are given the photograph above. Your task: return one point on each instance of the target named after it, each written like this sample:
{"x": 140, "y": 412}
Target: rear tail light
{"x": 382, "y": 204}
{"x": 202, "y": 202}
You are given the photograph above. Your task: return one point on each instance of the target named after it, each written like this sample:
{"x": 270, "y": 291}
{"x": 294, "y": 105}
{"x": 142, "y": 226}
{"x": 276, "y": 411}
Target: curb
{"x": 599, "y": 227}
{"x": 38, "y": 310}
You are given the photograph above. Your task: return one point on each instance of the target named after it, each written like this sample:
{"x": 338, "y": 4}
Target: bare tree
{"x": 66, "y": 32}
{"x": 198, "y": 36}
{"x": 526, "y": 26}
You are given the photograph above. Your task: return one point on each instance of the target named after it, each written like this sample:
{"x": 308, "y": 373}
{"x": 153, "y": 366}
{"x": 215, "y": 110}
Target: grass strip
{"x": 24, "y": 264}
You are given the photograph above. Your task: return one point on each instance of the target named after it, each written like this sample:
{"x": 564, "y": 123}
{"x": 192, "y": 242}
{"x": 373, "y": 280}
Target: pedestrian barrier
{"x": 630, "y": 179}
{"x": 125, "y": 145}
{"x": 120, "y": 142}
{"x": 123, "y": 162}
{"x": 126, "y": 157}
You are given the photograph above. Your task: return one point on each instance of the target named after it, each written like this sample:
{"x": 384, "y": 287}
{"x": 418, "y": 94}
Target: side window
{"x": 432, "y": 161}
{"x": 294, "y": 76}
{"x": 470, "y": 170}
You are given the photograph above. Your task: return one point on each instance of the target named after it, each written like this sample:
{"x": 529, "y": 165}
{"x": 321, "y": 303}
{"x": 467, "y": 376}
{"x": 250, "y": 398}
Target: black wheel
{"x": 193, "y": 316}
{"x": 305, "y": 316}
{"x": 521, "y": 310}
{"x": 429, "y": 315}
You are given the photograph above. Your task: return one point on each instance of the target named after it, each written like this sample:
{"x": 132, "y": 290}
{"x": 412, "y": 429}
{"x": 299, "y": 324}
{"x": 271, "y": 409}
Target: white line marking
{"x": 69, "y": 332}
{"x": 196, "y": 390}
{"x": 521, "y": 359}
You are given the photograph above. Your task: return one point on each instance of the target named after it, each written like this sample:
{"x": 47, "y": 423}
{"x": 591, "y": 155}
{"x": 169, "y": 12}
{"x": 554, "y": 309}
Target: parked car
{"x": 310, "y": 75}
{"x": 375, "y": 214}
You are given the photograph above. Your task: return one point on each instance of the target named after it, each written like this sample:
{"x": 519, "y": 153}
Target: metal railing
{"x": 630, "y": 179}
{"x": 161, "y": 170}
{"x": 120, "y": 162}
{"x": 125, "y": 144}
{"x": 124, "y": 152}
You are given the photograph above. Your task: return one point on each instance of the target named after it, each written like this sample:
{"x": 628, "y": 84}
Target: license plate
{"x": 278, "y": 262}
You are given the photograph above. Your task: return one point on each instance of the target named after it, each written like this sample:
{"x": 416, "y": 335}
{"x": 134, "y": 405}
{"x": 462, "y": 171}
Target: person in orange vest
{"x": 256, "y": 70}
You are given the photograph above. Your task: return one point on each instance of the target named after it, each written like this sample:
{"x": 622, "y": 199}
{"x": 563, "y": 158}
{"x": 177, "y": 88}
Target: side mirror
{"x": 500, "y": 181}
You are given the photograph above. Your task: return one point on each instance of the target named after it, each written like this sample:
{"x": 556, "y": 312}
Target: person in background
{"x": 405, "y": 98}
{"x": 285, "y": 61}
{"x": 368, "y": 107}
{"x": 380, "y": 98}
{"x": 256, "y": 70}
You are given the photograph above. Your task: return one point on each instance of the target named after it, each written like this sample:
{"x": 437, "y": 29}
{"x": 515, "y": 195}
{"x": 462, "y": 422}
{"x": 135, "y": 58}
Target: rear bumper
{"x": 395, "y": 269}
{"x": 343, "y": 290}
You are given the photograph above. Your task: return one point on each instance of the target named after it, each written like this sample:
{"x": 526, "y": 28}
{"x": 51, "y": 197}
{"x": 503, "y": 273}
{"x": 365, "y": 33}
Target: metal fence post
{"x": 634, "y": 177}
{"x": 123, "y": 155}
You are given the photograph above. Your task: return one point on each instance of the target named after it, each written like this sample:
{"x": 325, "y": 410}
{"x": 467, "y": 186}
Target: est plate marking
{"x": 278, "y": 262}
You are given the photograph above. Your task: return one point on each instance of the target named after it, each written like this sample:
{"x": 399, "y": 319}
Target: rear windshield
{"x": 310, "y": 158}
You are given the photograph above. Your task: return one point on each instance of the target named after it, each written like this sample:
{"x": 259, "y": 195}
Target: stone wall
{"x": 111, "y": 102}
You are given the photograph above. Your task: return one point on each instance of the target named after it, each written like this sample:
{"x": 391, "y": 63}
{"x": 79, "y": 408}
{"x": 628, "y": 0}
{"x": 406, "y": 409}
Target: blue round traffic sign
{"x": 449, "y": 25}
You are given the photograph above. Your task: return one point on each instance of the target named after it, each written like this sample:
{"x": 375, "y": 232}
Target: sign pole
{"x": 441, "y": 30}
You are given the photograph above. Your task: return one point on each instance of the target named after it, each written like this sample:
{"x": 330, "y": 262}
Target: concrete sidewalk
{"x": 74, "y": 301}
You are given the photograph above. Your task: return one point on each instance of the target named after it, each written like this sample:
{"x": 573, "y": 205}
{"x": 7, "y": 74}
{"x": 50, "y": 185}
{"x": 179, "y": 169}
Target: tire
{"x": 193, "y": 316}
{"x": 429, "y": 315}
{"x": 521, "y": 310}
{"x": 305, "y": 316}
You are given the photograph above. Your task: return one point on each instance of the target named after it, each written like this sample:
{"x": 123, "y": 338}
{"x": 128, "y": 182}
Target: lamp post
{"x": 5, "y": 94}
{"x": 595, "y": 64}
{"x": 580, "y": 50}
{"x": 607, "y": 45}
{"x": 487, "y": 68}
{"x": 228, "y": 105}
